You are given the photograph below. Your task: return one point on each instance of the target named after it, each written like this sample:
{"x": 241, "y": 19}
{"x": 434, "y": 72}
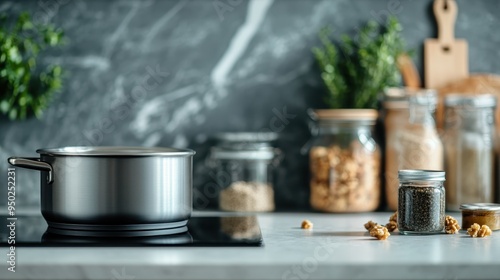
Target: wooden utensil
{"x": 408, "y": 71}
{"x": 445, "y": 59}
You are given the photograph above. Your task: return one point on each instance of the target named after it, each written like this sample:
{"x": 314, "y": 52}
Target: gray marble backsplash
{"x": 172, "y": 73}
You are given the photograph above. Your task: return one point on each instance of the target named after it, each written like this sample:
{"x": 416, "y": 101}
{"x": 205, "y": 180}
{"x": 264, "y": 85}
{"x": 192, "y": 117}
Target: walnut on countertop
{"x": 472, "y": 231}
{"x": 392, "y": 225}
{"x": 484, "y": 231}
{"x": 370, "y": 225}
{"x": 306, "y": 224}
{"x": 479, "y": 231}
{"x": 380, "y": 232}
{"x": 394, "y": 217}
{"x": 451, "y": 225}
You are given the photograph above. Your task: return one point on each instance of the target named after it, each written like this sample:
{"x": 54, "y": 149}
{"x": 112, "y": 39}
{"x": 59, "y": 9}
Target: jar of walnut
{"x": 344, "y": 161}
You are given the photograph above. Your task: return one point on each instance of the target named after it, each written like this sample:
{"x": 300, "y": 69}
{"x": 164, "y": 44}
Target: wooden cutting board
{"x": 445, "y": 58}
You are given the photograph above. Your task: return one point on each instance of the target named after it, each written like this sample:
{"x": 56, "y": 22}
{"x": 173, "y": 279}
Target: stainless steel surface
{"x": 116, "y": 151}
{"x": 33, "y": 163}
{"x": 247, "y": 136}
{"x": 153, "y": 192}
{"x": 424, "y": 175}
{"x": 476, "y": 101}
{"x": 480, "y": 206}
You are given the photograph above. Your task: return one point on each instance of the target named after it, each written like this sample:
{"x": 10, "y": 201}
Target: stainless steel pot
{"x": 114, "y": 188}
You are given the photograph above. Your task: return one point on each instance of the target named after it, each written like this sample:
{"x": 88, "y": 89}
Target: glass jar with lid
{"x": 469, "y": 149}
{"x": 421, "y": 204}
{"x": 415, "y": 144}
{"x": 395, "y": 115}
{"x": 344, "y": 161}
{"x": 243, "y": 166}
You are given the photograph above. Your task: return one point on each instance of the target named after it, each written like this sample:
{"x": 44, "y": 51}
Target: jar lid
{"x": 395, "y": 98}
{"x": 421, "y": 175}
{"x": 345, "y": 114}
{"x": 266, "y": 153}
{"x": 469, "y": 100}
{"x": 425, "y": 97}
{"x": 244, "y": 146}
{"x": 246, "y": 136}
{"x": 395, "y": 93}
{"x": 481, "y": 206}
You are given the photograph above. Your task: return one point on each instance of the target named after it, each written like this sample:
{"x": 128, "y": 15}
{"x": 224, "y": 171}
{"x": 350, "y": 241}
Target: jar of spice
{"x": 243, "y": 166}
{"x": 344, "y": 161}
{"x": 469, "y": 149}
{"x": 421, "y": 206}
{"x": 414, "y": 143}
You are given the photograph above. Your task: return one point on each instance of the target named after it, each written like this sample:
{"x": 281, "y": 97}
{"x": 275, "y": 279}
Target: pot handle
{"x": 33, "y": 163}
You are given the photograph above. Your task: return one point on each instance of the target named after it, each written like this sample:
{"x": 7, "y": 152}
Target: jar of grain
{"x": 421, "y": 208}
{"x": 469, "y": 149}
{"x": 242, "y": 166}
{"x": 344, "y": 161}
{"x": 414, "y": 143}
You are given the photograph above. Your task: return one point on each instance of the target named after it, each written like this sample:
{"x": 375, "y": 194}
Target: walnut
{"x": 370, "y": 225}
{"x": 484, "y": 231}
{"x": 473, "y": 230}
{"x": 344, "y": 179}
{"x": 451, "y": 225}
{"x": 392, "y": 226}
{"x": 394, "y": 217}
{"x": 380, "y": 232}
{"x": 306, "y": 224}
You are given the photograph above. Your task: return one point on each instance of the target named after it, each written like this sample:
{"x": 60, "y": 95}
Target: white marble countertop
{"x": 337, "y": 248}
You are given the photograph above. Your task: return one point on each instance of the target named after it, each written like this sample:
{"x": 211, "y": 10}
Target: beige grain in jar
{"x": 413, "y": 145}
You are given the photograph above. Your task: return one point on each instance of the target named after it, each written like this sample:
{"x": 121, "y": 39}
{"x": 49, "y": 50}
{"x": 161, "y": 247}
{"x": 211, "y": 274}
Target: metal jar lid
{"x": 113, "y": 151}
{"x": 471, "y": 101}
{"x": 481, "y": 206}
{"x": 244, "y": 146}
{"x": 421, "y": 175}
{"x": 249, "y": 137}
{"x": 425, "y": 97}
{"x": 267, "y": 153}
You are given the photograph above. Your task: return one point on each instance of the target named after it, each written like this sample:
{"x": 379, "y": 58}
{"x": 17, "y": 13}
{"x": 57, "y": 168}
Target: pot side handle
{"x": 33, "y": 163}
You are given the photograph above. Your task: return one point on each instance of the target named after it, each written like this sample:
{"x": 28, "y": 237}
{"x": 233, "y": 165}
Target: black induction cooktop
{"x": 32, "y": 231}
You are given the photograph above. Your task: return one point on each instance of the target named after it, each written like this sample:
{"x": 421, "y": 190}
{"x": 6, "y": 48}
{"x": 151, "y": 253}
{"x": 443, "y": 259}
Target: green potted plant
{"x": 25, "y": 88}
{"x": 344, "y": 158}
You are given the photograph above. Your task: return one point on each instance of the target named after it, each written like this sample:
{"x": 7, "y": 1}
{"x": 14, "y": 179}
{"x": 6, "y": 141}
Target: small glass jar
{"x": 482, "y": 214}
{"x": 414, "y": 143}
{"x": 243, "y": 166}
{"x": 344, "y": 161}
{"x": 469, "y": 149}
{"x": 421, "y": 205}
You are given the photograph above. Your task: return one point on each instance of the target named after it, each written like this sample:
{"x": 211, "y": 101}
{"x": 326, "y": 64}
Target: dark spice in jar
{"x": 421, "y": 202}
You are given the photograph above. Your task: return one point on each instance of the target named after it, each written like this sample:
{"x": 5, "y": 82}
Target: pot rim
{"x": 116, "y": 151}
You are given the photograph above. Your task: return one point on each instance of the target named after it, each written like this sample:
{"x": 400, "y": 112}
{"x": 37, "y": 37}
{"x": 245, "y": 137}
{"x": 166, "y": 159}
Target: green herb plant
{"x": 24, "y": 88}
{"x": 357, "y": 70}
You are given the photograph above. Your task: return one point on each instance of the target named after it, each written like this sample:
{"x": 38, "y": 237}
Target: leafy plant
{"x": 25, "y": 89}
{"x": 360, "y": 67}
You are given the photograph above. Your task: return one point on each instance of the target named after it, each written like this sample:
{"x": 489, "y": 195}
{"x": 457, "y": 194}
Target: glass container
{"x": 421, "y": 205}
{"x": 243, "y": 165}
{"x": 344, "y": 161}
{"x": 414, "y": 143}
{"x": 469, "y": 149}
{"x": 482, "y": 214}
